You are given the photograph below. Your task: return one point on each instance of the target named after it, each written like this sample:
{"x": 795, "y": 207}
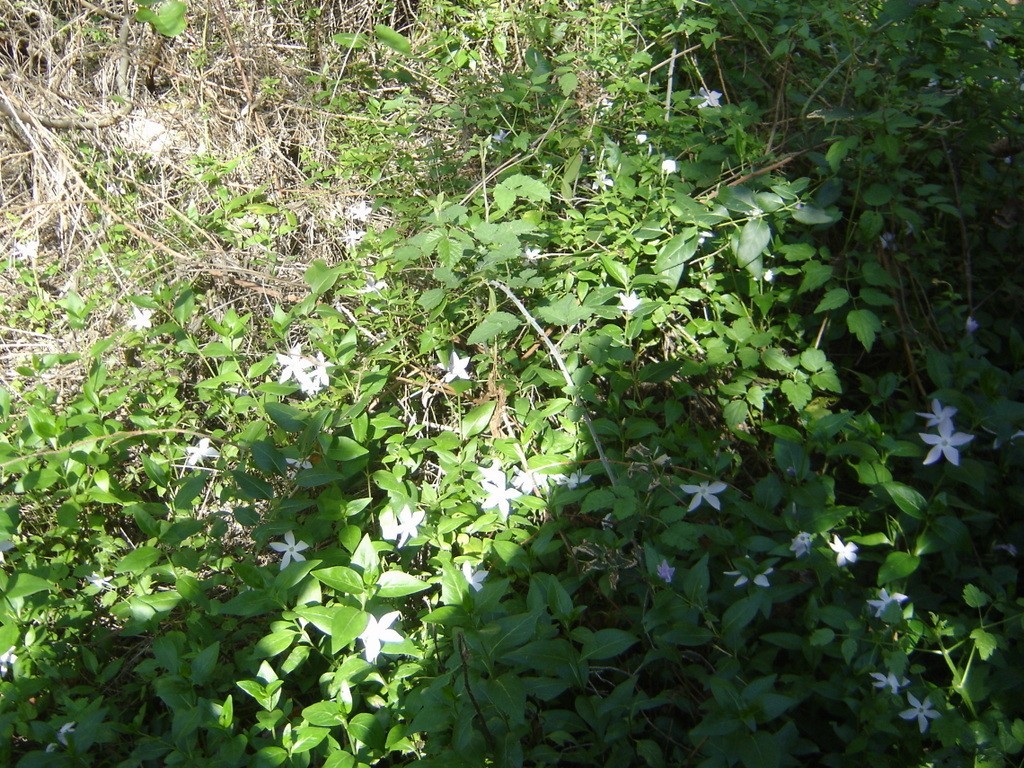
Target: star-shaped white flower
{"x": 290, "y": 548}
{"x": 571, "y": 481}
{"x": 940, "y": 414}
{"x": 499, "y": 496}
{"x": 531, "y": 254}
{"x": 378, "y": 632}
{"x": 457, "y": 368}
{"x": 845, "y": 553}
{"x": 99, "y": 581}
{"x": 360, "y": 211}
{"x": 142, "y": 318}
{"x": 760, "y": 579}
{"x": 529, "y": 481}
{"x": 889, "y": 681}
{"x": 373, "y": 285}
{"x": 7, "y": 661}
{"x": 310, "y": 373}
{"x": 603, "y": 180}
{"x": 403, "y": 528}
{"x": 629, "y": 302}
{"x": 919, "y": 710}
{"x": 668, "y": 165}
{"x": 708, "y": 98}
{"x": 705, "y": 491}
{"x": 64, "y": 732}
{"x": 801, "y": 544}
{"x": 196, "y": 454}
{"x": 475, "y": 578}
{"x": 666, "y": 571}
{"x": 641, "y": 138}
{"x": 885, "y": 600}
{"x": 945, "y": 444}
{"x": 353, "y": 237}
{"x": 26, "y": 251}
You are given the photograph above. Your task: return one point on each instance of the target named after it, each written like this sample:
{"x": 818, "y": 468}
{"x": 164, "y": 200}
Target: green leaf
{"x": 138, "y": 560}
{"x": 495, "y": 324}
{"x": 274, "y": 643}
{"x": 897, "y": 565}
{"x": 822, "y": 636}
{"x": 808, "y": 214}
{"x": 368, "y": 730}
{"x": 564, "y": 311}
{"x": 346, "y": 626}
{"x": 477, "y": 420}
{"x": 834, "y": 299}
{"x": 816, "y": 275}
{"x": 906, "y": 498}
{"x": 569, "y": 176}
{"x": 517, "y": 187}
{"x": 670, "y": 264}
{"x": 974, "y": 597}
{"x": 25, "y": 584}
{"x": 168, "y": 19}
{"x": 753, "y": 239}
{"x": 320, "y": 278}
{"x": 341, "y": 579}
{"x": 607, "y": 644}
{"x": 306, "y": 737}
{"x": 740, "y": 614}
{"x": 250, "y": 487}
{"x": 396, "y": 41}
{"x": 985, "y": 642}
{"x": 326, "y": 714}
{"x": 285, "y": 416}
{"x": 759, "y": 750}
{"x": 865, "y": 325}
{"x": 399, "y": 584}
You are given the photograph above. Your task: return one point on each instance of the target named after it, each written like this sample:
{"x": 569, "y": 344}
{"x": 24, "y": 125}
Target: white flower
{"x": 402, "y": 529}
{"x": 195, "y": 454}
{"x": 310, "y": 373}
{"x": 709, "y": 98}
{"x": 603, "y": 180}
{"x": 705, "y": 492}
{"x": 888, "y": 241}
{"x": 5, "y": 546}
{"x": 7, "y": 661}
{"x": 885, "y": 600}
{"x": 475, "y": 578}
{"x": 99, "y": 581}
{"x": 65, "y": 730}
{"x": 499, "y": 136}
{"x": 628, "y": 302}
{"x": 378, "y": 632}
{"x": 297, "y": 464}
{"x": 940, "y": 414}
{"x": 666, "y": 571}
{"x": 291, "y": 549}
{"x": 641, "y": 138}
{"x": 889, "y": 681}
{"x": 760, "y": 579}
{"x": 845, "y": 553}
{"x": 1008, "y": 548}
{"x": 27, "y": 251}
{"x": 573, "y": 481}
{"x": 945, "y": 444}
{"x": 921, "y": 710}
{"x": 373, "y": 285}
{"x": 702, "y": 237}
{"x": 668, "y": 165}
{"x": 971, "y": 325}
{"x": 531, "y": 254}
{"x": 457, "y": 368}
{"x": 353, "y": 237}
{"x": 141, "y": 319}
{"x": 499, "y": 496}
{"x": 360, "y": 211}
{"x": 528, "y": 481}
{"x": 769, "y": 276}
{"x": 801, "y": 544}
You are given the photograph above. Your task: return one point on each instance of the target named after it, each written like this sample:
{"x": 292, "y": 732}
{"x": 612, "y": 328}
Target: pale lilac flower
{"x": 708, "y": 98}
{"x": 971, "y": 325}
{"x": 360, "y": 211}
{"x": 945, "y": 444}
{"x": 402, "y": 529}
{"x": 7, "y": 660}
{"x": 290, "y": 548}
{"x": 668, "y": 165}
{"x": 474, "y": 578}
{"x": 888, "y": 241}
{"x": 1008, "y": 548}
{"x": 141, "y": 319}
{"x": 196, "y": 454}
{"x": 845, "y": 553}
{"x": 99, "y": 581}
{"x": 353, "y": 237}
{"x": 296, "y": 465}
{"x": 801, "y": 544}
{"x": 457, "y": 368}
{"x": 629, "y": 302}
{"x": 378, "y": 632}
{"x": 572, "y": 481}
{"x": 64, "y": 732}
{"x": 919, "y": 710}
{"x": 666, "y": 572}
{"x": 702, "y": 237}
{"x": 939, "y": 414}
{"x": 885, "y": 600}
{"x": 889, "y": 681}
{"x": 706, "y": 491}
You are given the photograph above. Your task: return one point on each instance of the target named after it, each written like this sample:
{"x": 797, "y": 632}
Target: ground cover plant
{"x": 511, "y": 384}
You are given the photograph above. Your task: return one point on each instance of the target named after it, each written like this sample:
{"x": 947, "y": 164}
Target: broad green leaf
{"x": 396, "y": 41}
{"x": 320, "y": 278}
{"x": 906, "y": 498}
{"x": 753, "y": 239}
{"x": 367, "y": 729}
{"x": 325, "y": 713}
{"x": 897, "y": 565}
{"x": 816, "y": 275}
{"x": 740, "y": 614}
{"x": 495, "y": 324}
{"x": 250, "y": 487}
{"x": 168, "y": 19}
{"x": 25, "y": 584}
{"x": 822, "y": 636}
{"x": 288, "y": 418}
{"x": 986, "y": 642}
{"x": 476, "y": 421}
{"x": 808, "y": 214}
{"x": 607, "y": 644}
{"x": 835, "y": 298}
{"x": 138, "y": 560}
{"x": 342, "y": 579}
{"x": 274, "y": 643}
{"x": 865, "y": 325}
{"x": 346, "y": 625}
{"x": 974, "y": 597}
{"x": 306, "y": 737}
{"x": 399, "y": 584}
{"x": 518, "y": 187}
{"x": 569, "y": 176}
{"x": 670, "y": 264}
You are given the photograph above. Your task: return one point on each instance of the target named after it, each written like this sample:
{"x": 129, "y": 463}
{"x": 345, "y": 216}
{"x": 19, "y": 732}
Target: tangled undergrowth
{"x": 510, "y": 384}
